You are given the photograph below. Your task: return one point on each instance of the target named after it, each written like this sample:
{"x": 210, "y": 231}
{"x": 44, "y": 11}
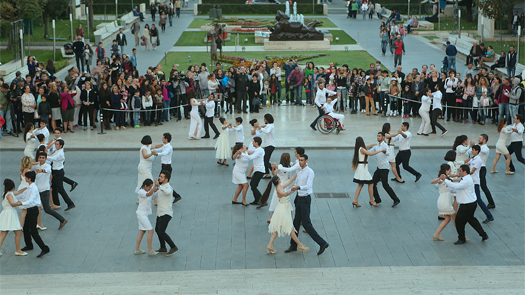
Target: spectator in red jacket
{"x": 399, "y": 51}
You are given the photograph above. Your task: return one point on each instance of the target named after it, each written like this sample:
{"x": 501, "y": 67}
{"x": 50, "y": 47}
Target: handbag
{"x": 36, "y": 114}
{"x": 256, "y": 101}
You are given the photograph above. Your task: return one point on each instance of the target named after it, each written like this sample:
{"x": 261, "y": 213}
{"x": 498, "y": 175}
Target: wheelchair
{"x": 326, "y": 124}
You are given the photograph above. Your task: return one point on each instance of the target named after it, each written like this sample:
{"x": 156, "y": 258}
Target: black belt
{"x": 166, "y": 164}
{"x": 362, "y": 162}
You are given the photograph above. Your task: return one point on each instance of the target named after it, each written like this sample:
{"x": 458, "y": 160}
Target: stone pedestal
{"x": 142, "y": 8}
{"x": 297, "y": 45}
{"x": 485, "y": 26}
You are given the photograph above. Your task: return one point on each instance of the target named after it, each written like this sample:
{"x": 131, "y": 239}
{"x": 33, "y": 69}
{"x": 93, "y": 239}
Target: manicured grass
{"x": 354, "y": 59}
{"x": 199, "y": 22}
{"x": 62, "y": 30}
{"x": 506, "y": 48}
{"x": 429, "y": 37}
{"x": 344, "y": 38}
{"x": 41, "y": 56}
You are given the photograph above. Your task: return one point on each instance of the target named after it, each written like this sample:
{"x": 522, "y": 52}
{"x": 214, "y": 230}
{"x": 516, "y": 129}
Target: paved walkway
{"x": 213, "y": 234}
{"x": 227, "y": 49}
{"x": 329, "y": 281}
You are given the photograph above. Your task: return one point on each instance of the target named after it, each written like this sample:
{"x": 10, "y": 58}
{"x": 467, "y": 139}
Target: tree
{"x": 9, "y": 11}
{"x": 52, "y": 10}
{"x": 30, "y": 9}
{"x": 89, "y": 4}
{"x": 497, "y": 10}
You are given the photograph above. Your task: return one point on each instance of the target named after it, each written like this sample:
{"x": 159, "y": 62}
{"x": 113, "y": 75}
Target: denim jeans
{"x": 7, "y": 117}
{"x": 511, "y": 72}
{"x": 451, "y": 62}
{"x": 504, "y": 111}
{"x": 513, "y": 111}
{"x": 170, "y": 17}
{"x": 165, "y": 112}
{"x": 309, "y": 97}
{"x": 483, "y": 111}
{"x": 136, "y": 118}
{"x": 279, "y": 91}
{"x": 298, "y": 94}
{"x": 342, "y": 99}
{"x": 147, "y": 116}
{"x": 383, "y": 46}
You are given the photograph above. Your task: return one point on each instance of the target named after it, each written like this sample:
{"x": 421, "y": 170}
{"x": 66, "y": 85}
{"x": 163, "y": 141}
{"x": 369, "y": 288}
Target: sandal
{"x": 220, "y": 163}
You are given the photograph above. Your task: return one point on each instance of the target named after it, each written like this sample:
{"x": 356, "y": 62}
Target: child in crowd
{"x": 159, "y": 99}
{"x": 406, "y": 95}
{"x": 124, "y": 104}
{"x": 147, "y": 104}
{"x": 135, "y": 102}
{"x": 44, "y": 111}
{"x": 308, "y": 89}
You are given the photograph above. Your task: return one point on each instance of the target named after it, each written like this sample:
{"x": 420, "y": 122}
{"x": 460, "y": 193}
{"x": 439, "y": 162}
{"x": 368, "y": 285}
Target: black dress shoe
{"x": 313, "y": 128}
{"x": 73, "y": 186}
{"x": 26, "y": 249}
{"x": 459, "y": 242}
{"x": 162, "y": 250}
{"x": 254, "y": 203}
{"x": 291, "y": 249}
{"x": 488, "y": 220}
{"x": 418, "y": 176}
{"x": 484, "y": 237}
{"x": 491, "y": 206}
{"x": 42, "y": 254}
{"x": 323, "y": 247}
{"x": 395, "y": 179}
{"x": 378, "y": 201}
{"x": 206, "y": 136}
{"x": 70, "y": 207}
{"x": 395, "y": 203}
{"x": 260, "y": 206}
{"x": 216, "y": 136}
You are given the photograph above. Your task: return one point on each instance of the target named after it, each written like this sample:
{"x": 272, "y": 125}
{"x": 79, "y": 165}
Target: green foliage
{"x": 243, "y": 9}
{"x": 244, "y": 2}
{"x": 56, "y": 8}
{"x": 30, "y": 9}
{"x": 7, "y": 9}
{"x": 496, "y": 9}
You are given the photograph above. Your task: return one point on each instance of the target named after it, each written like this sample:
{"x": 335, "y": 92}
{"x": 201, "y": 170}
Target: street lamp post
{"x": 71, "y": 22}
{"x": 54, "y": 43}
{"x": 459, "y": 24}
{"x": 22, "y": 46}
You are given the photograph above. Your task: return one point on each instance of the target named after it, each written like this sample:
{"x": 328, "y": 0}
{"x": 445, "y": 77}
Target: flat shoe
{"x": 236, "y": 203}
{"x": 20, "y": 254}
{"x": 140, "y": 252}
{"x": 220, "y": 163}
{"x": 493, "y": 171}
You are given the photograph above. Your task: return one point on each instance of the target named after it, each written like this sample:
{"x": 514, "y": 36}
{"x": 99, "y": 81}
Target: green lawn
{"x": 354, "y": 59}
{"x": 62, "y": 30}
{"x": 430, "y": 37}
{"x": 41, "y": 56}
{"x": 506, "y": 48}
{"x": 199, "y": 22}
{"x": 344, "y": 38}
{"x": 197, "y": 39}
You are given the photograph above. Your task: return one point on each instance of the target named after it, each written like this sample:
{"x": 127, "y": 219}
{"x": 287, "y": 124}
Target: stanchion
{"x": 101, "y": 123}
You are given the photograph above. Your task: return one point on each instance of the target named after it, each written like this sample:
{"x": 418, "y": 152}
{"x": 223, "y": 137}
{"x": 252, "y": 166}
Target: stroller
{"x": 444, "y": 67}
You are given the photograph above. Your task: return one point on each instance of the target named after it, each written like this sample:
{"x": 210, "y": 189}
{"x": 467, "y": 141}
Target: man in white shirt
{"x": 57, "y": 158}
{"x": 51, "y": 148}
{"x": 466, "y": 199}
{"x": 403, "y": 156}
{"x": 30, "y": 200}
{"x": 208, "y": 118}
{"x": 257, "y": 156}
{"x": 436, "y": 113}
{"x": 164, "y": 212}
{"x": 475, "y": 166}
{"x": 165, "y": 152}
{"x": 43, "y": 175}
{"x": 320, "y": 99}
{"x": 268, "y": 142}
{"x": 484, "y": 154}
{"x": 383, "y": 168}
{"x": 304, "y": 187}
{"x": 239, "y": 131}
{"x": 516, "y": 140}
{"x": 42, "y": 129}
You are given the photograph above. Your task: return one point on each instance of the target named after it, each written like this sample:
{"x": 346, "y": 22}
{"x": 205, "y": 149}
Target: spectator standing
{"x": 78, "y": 49}
{"x": 515, "y": 24}
{"x": 296, "y": 79}
{"x": 153, "y": 10}
{"x": 100, "y": 52}
{"x": 136, "y": 32}
{"x": 121, "y": 41}
{"x": 451, "y": 52}
{"x": 178, "y": 6}
{"x": 510, "y": 62}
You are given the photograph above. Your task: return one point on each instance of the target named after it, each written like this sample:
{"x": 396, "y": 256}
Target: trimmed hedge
{"x": 124, "y": 6}
{"x": 243, "y": 9}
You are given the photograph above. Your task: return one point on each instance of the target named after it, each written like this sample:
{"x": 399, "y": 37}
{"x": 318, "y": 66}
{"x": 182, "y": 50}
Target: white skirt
{"x": 392, "y": 156}
{"x": 445, "y": 204}
{"x": 144, "y": 223}
{"x": 238, "y": 176}
{"x": 282, "y": 221}
{"x": 222, "y": 146}
{"x": 9, "y": 220}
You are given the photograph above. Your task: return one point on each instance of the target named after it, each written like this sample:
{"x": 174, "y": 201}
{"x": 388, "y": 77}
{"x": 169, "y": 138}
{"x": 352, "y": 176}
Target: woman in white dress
{"x": 145, "y": 163}
{"x": 282, "y": 222}
{"x": 255, "y": 133}
{"x": 501, "y": 147}
{"x": 30, "y": 140}
{"x": 196, "y": 123}
{"x": 445, "y": 201}
{"x": 222, "y": 146}
{"x": 284, "y": 172}
{"x": 362, "y": 176}
{"x": 239, "y": 173}
{"x": 143, "y": 211}
{"x": 391, "y": 148}
{"x": 461, "y": 146}
{"x": 25, "y": 165}
{"x": 9, "y": 218}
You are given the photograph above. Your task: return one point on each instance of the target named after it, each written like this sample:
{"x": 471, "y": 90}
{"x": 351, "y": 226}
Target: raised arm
{"x": 292, "y": 180}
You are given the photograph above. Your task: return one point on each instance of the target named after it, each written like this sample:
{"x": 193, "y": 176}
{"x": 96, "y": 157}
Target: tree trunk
{"x": 46, "y": 27}
{"x": 509, "y": 16}
{"x": 91, "y": 22}
{"x": 9, "y": 44}
{"x": 468, "y": 3}
{"x": 501, "y": 35}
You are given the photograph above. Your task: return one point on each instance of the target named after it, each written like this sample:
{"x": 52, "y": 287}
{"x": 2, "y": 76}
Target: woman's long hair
{"x": 386, "y": 130}
{"x": 27, "y": 129}
{"x": 9, "y": 185}
{"x": 459, "y": 141}
{"x": 501, "y": 124}
{"x": 285, "y": 161}
{"x": 443, "y": 169}
{"x": 359, "y": 143}
{"x": 26, "y": 163}
{"x": 236, "y": 148}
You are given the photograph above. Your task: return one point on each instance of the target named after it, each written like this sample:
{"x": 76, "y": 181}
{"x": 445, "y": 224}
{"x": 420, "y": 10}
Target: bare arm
{"x": 146, "y": 155}
{"x": 289, "y": 182}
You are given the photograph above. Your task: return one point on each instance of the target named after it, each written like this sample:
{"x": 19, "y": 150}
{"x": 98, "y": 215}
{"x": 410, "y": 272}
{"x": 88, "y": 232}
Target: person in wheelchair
{"x": 328, "y": 108}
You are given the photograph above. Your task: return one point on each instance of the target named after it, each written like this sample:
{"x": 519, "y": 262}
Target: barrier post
{"x": 102, "y": 122}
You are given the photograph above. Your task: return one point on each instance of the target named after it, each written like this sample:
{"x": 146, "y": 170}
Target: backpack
{"x": 515, "y": 95}
{"x": 68, "y": 48}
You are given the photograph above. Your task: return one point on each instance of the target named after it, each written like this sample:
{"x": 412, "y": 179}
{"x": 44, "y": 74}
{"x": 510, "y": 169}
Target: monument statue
{"x": 286, "y": 30}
